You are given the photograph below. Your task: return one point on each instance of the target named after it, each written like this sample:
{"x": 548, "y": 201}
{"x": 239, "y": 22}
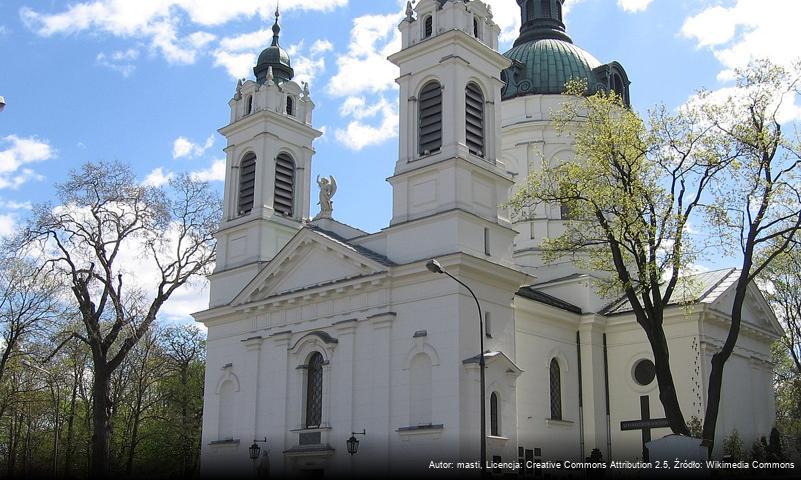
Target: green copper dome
{"x": 276, "y": 58}
{"x": 544, "y": 66}
{"x": 545, "y": 58}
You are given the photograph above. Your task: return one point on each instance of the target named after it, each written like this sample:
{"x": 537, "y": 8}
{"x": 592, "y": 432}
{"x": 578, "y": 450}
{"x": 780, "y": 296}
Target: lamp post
{"x": 434, "y": 266}
{"x": 2, "y": 103}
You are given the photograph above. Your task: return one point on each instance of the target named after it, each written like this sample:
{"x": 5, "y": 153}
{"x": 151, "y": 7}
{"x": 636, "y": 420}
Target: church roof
{"x": 365, "y": 252}
{"x": 538, "y": 296}
{"x": 704, "y": 287}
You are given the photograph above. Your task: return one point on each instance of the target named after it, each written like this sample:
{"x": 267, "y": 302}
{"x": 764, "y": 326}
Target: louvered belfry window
{"x": 247, "y": 184}
{"x": 314, "y": 391}
{"x": 429, "y": 26}
{"x": 556, "y": 390}
{"x": 430, "y": 118}
{"x": 474, "y": 119}
{"x": 284, "y": 185}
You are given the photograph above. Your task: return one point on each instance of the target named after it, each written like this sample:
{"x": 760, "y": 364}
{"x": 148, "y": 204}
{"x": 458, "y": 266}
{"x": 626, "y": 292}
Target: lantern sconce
{"x": 255, "y": 449}
{"x": 353, "y": 443}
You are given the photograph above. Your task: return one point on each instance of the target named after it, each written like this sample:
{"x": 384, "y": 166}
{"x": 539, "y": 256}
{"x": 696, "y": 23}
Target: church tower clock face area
{"x": 334, "y": 351}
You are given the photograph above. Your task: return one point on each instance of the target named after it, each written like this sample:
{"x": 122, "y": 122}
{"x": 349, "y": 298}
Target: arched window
{"x": 556, "y": 391}
{"x": 249, "y": 105}
{"x": 247, "y": 184}
{"x": 474, "y": 119}
{"x": 428, "y": 26}
{"x": 227, "y": 411}
{"x": 430, "y": 121}
{"x": 284, "y": 200}
{"x": 617, "y": 86}
{"x": 290, "y": 106}
{"x": 546, "y": 8}
{"x": 475, "y": 29}
{"x": 420, "y": 384}
{"x": 314, "y": 391}
{"x": 495, "y": 430}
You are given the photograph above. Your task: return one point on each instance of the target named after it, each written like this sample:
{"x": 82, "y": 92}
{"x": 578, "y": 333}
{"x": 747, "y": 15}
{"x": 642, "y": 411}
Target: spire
{"x": 274, "y": 57}
{"x": 541, "y": 19}
{"x": 276, "y": 27}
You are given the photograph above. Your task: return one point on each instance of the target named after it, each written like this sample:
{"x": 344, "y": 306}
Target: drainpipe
{"x": 608, "y": 417}
{"x": 580, "y": 398}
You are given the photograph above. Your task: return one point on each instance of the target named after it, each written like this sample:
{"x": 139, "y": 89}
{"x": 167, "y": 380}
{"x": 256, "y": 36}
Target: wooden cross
{"x": 645, "y": 423}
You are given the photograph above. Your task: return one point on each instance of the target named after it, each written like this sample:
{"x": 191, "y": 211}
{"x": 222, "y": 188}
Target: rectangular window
{"x": 487, "y": 325}
{"x": 487, "y": 242}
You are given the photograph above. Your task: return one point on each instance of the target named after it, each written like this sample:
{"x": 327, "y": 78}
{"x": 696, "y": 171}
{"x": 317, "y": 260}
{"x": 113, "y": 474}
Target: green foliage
{"x": 165, "y": 371}
{"x": 696, "y": 426}
{"x": 733, "y": 446}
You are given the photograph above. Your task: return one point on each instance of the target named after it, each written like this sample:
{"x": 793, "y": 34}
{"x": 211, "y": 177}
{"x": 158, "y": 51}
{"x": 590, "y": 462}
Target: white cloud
{"x": 8, "y": 225}
{"x": 359, "y": 134}
{"x": 634, "y": 5}
{"x": 364, "y": 68}
{"x": 14, "y": 205}
{"x": 747, "y": 30}
{"x": 158, "y": 178}
{"x": 215, "y": 173}
{"x": 238, "y": 55}
{"x": 18, "y": 153}
{"x": 507, "y": 15}
{"x": 120, "y": 61}
{"x": 159, "y": 22}
{"x": 183, "y": 147}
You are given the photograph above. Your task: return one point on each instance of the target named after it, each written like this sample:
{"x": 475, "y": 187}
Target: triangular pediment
{"x": 756, "y": 309}
{"x": 310, "y": 260}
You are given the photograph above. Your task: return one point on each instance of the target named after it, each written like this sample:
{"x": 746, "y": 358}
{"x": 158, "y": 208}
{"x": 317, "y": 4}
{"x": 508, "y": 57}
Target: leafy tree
{"x": 756, "y": 205}
{"x": 104, "y": 215}
{"x": 635, "y": 186}
{"x": 630, "y": 195}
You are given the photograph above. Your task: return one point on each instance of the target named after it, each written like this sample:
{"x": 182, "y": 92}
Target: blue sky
{"x": 147, "y": 82}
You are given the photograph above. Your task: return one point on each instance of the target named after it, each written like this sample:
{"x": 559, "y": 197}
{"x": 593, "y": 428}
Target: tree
{"x": 124, "y": 249}
{"x": 630, "y": 195}
{"x": 29, "y": 305}
{"x": 636, "y": 186}
{"x": 757, "y": 204}
{"x": 185, "y": 348}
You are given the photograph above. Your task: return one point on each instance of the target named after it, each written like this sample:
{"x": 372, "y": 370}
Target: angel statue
{"x": 328, "y": 187}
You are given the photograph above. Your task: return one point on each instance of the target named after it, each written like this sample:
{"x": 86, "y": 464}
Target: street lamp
{"x": 2, "y": 103}
{"x": 434, "y": 266}
{"x": 353, "y": 443}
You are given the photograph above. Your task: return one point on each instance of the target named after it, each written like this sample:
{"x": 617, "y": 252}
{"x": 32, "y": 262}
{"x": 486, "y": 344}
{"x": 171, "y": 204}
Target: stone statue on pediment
{"x": 328, "y": 188}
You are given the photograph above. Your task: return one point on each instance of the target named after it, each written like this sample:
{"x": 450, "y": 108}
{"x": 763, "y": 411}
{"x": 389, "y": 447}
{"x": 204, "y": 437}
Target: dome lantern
{"x": 274, "y": 57}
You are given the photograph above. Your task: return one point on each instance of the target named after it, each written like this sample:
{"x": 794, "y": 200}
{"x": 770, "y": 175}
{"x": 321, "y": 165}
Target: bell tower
{"x": 267, "y": 172}
{"x": 449, "y": 160}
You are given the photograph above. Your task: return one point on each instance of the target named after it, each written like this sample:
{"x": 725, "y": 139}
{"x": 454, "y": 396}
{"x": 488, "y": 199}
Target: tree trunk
{"x": 101, "y": 424}
{"x": 664, "y": 378}
{"x": 69, "y": 447}
{"x": 137, "y": 414}
{"x": 718, "y": 363}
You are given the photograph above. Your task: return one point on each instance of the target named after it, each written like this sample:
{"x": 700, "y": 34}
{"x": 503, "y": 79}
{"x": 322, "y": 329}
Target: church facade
{"x": 319, "y": 332}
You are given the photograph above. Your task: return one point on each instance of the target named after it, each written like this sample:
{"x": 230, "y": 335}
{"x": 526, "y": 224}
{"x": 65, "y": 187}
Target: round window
{"x": 644, "y": 372}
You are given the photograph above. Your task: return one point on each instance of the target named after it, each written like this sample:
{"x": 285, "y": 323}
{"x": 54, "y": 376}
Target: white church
{"x": 319, "y": 331}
